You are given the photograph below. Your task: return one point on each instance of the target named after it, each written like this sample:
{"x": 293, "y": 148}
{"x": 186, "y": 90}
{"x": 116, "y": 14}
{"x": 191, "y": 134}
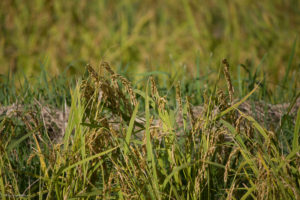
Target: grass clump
{"x": 126, "y": 142}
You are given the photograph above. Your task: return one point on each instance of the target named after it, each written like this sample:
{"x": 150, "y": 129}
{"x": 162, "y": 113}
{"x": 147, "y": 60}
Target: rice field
{"x": 149, "y": 100}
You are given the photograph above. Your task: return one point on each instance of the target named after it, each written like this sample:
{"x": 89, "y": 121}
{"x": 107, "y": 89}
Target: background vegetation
{"x": 148, "y": 35}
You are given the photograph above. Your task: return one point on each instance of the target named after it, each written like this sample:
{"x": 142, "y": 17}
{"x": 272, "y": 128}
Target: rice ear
{"x": 228, "y": 80}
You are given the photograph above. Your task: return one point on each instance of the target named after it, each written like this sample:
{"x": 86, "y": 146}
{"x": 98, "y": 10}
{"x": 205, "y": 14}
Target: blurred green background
{"x": 142, "y": 36}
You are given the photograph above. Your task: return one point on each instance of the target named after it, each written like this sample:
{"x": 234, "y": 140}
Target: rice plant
{"x": 116, "y": 140}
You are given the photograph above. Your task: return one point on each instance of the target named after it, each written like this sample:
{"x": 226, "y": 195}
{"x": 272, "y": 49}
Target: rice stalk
{"x": 228, "y": 79}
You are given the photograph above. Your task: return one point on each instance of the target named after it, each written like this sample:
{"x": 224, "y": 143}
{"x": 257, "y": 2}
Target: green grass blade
{"x": 2, "y": 187}
{"x": 244, "y": 150}
{"x": 249, "y": 192}
{"x": 143, "y": 94}
{"x": 17, "y": 142}
{"x": 296, "y": 131}
{"x": 130, "y": 129}
{"x": 148, "y": 137}
{"x": 236, "y": 105}
{"x": 186, "y": 165}
{"x": 150, "y": 155}
{"x": 89, "y": 159}
{"x": 290, "y": 63}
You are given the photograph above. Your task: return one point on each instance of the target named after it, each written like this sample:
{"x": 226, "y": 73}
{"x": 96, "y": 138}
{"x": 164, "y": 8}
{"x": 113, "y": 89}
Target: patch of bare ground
{"x": 55, "y": 120}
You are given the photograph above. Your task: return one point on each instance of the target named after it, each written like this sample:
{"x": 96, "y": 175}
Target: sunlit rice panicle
{"x": 93, "y": 73}
{"x": 127, "y": 84}
{"x": 230, "y": 191}
{"x": 238, "y": 123}
{"x": 222, "y": 100}
{"x": 31, "y": 156}
{"x": 108, "y": 91}
{"x": 227, "y": 166}
{"x": 154, "y": 91}
{"x": 160, "y": 101}
{"x": 190, "y": 111}
{"x": 228, "y": 79}
{"x": 197, "y": 185}
{"x": 87, "y": 90}
{"x": 178, "y": 97}
{"x": 106, "y": 66}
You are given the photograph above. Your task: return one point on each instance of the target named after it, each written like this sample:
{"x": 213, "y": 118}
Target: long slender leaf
{"x": 130, "y": 129}
{"x": 296, "y": 131}
{"x": 89, "y": 159}
{"x": 150, "y": 155}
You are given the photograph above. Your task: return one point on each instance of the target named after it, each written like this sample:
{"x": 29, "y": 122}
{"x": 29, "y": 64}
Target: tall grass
{"x": 123, "y": 142}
